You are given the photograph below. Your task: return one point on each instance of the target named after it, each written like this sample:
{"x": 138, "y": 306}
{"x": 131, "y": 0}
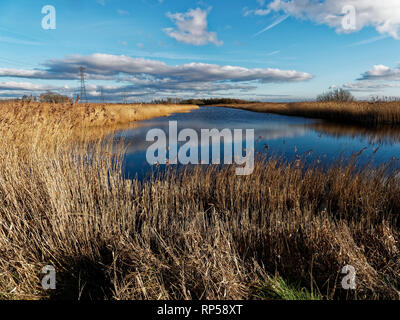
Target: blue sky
{"x": 151, "y": 49}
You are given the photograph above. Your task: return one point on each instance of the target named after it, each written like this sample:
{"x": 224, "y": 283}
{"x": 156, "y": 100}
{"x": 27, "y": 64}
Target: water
{"x": 290, "y": 138}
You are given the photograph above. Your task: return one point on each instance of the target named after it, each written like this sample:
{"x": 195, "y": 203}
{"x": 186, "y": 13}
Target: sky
{"x": 278, "y": 50}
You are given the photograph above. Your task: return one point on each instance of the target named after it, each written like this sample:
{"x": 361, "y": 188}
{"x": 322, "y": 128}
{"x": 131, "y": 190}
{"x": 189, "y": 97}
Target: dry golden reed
{"x": 204, "y": 233}
{"x": 90, "y": 120}
{"x": 361, "y": 112}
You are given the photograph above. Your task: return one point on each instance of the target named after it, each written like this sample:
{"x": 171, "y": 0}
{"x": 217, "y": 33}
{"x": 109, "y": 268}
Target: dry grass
{"x": 85, "y": 120}
{"x": 199, "y": 234}
{"x": 365, "y": 113}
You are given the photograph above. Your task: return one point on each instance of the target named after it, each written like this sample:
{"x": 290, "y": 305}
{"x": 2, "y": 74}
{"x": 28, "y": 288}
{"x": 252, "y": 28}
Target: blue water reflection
{"x": 288, "y": 137}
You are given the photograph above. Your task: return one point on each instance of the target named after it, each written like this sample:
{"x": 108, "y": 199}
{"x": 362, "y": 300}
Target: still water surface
{"x": 287, "y": 137}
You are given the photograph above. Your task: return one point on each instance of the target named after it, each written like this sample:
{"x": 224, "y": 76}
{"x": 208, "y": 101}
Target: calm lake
{"x": 290, "y": 138}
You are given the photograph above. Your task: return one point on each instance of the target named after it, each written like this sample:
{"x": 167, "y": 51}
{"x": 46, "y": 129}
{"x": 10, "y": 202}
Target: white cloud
{"x": 13, "y": 89}
{"x": 106, "y": 65}
{"x": 377, "y": 79}
{"x": 109, "y": 67}
{"x": 382, "y": 72}
{"x": 262, "y": 12}
{"x": 22, "y": 73}
{"x": 383, "y": 15}
{"x": 11, "y": 85}
{"x": 192, "y": 28}
{"x": 368, "y": 86}
{"x": 258, "y": 12}
{"x": 150, "y": 76}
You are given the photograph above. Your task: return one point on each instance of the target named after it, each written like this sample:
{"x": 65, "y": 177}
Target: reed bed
{"x": 360, "y": 112}
{"x": 284, "y": 232}
{"x": 85, "y": 120}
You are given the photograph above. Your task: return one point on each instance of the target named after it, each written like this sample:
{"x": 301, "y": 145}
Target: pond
{"x": 289, "y": 138}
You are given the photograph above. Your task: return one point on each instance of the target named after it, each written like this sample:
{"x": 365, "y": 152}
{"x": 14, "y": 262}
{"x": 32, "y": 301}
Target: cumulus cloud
{"x": 377, "y": 79}
{"x": 140, "y": 75}
{"x": 384, "y": 16}
{"x": 192, "y": 28}
{"x": 107, "y": 67}
{"x": 382, "y": 72}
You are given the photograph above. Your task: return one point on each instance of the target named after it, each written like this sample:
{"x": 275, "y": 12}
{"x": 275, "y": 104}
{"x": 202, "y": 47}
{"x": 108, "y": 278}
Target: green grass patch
{"x": 277, "y": 288}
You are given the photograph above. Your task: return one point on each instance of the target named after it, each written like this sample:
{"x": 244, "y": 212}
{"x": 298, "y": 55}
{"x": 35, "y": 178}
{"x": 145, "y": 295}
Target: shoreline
{"x": 358, "y": 112}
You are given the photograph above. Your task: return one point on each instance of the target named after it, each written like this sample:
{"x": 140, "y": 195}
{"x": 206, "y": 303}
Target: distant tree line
{"x": 200, "y": 102}
{"x": 168, "y": 101}
{"x": 49, "y": 97}
{"x": 203, "y": 102}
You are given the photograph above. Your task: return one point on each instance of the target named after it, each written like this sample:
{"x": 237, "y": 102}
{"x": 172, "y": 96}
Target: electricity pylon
{"x": 83, "y": 96}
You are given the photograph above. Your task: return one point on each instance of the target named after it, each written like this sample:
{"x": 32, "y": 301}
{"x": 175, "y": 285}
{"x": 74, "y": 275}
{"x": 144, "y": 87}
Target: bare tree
{"x": 337, "y": 95}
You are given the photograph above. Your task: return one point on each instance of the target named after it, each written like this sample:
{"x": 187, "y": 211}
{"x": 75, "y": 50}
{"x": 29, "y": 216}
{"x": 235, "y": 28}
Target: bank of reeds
{"x": 359, "y": 112}
{"x": 200, "y": 234}
{"x": 93, "y": 120}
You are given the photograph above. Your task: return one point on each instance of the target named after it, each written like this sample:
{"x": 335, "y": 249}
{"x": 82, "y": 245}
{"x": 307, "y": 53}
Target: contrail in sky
{"x": 275, "y": 23}
{"x": 370, "y": 40}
